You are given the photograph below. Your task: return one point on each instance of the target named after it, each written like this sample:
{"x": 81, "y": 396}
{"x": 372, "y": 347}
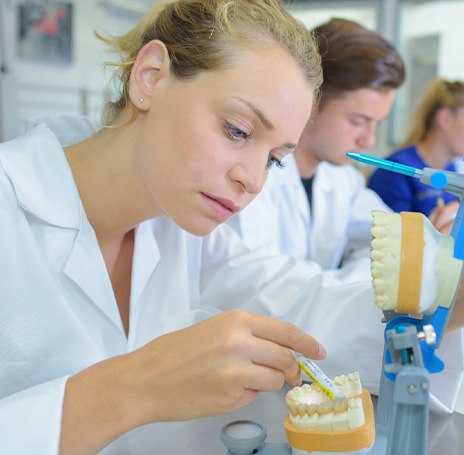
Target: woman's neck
{"x": 434, "y": 151}
{"x": 105, "y": 175}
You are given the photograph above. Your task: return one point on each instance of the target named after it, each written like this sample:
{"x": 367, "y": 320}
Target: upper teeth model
{"x": 413, "y": 269}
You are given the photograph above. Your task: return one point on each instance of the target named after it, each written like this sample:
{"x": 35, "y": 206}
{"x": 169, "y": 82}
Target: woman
{"x": 108, "y": 253}
{"x": 435, "y": 139}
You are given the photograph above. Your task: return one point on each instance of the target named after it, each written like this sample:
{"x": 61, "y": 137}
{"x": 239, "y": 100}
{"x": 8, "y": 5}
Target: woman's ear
{"x": 151, "y": 65}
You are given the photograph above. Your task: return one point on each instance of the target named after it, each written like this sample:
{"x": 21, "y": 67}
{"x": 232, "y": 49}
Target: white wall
{"x": 366, "y": 16}
{"x": 34, "y": 88}
{"x": 446, "y": 19}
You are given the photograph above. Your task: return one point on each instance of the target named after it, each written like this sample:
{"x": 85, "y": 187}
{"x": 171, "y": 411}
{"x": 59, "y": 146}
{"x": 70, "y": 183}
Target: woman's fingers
{"x": 287, "y": 335}
{"x": 269, "y": 343}
{"x": 277, "y": 359}
{"x": 225, "y": 360}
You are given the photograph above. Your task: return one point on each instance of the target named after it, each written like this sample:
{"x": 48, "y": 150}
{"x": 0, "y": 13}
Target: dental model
{"x": 311, "y": 408}
{"x": 413, "y": 269}
{"x": 342, "y": 424}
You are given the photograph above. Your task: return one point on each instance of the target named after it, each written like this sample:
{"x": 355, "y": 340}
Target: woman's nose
{"x": 250, "y": 175}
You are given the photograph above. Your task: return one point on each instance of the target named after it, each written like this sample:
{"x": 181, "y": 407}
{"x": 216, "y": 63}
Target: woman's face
{"x": 206, "y": 145}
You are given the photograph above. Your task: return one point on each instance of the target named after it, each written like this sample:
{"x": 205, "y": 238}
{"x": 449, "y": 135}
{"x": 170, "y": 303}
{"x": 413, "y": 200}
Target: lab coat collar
{"x": 42, "y": 180}
{"x": 38, "y": 169}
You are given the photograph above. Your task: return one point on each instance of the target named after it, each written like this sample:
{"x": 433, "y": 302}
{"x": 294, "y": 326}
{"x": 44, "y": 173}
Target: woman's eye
{"x": 272, "y": 160}
{"x": 235, "y": 133}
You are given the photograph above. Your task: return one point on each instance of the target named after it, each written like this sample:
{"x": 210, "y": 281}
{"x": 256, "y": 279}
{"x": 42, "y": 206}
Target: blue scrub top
{"x": 408, "y": 194}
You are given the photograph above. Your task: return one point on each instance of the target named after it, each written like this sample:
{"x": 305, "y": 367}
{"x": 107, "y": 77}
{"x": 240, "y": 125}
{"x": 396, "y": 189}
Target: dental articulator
{"x": 416, "y": 272}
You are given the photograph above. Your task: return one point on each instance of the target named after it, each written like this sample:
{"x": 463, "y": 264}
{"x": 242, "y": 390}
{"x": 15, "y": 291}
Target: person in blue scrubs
{"x": 435, "y": 139}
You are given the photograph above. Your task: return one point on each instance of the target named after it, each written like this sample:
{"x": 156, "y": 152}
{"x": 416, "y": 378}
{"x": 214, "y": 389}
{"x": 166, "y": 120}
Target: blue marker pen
{"x": 385, "y": 164}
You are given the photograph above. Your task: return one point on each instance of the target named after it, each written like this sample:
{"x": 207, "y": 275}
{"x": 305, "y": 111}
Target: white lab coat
{"x": 58, "y": 313}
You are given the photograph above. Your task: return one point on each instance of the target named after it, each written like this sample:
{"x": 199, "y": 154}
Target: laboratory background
{"x": 50, "y": 60}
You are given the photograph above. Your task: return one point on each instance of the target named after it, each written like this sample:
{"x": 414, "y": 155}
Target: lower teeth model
{"x": 318, "y": 424}
{"x": 413, "y": 269}
{"x": 311, "y": 408}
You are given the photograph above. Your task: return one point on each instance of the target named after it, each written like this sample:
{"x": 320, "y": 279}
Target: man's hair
{"x": 354, "y": 57}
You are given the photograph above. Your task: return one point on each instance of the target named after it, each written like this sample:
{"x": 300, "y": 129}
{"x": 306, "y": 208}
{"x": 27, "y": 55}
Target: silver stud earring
{"x": 141, "y": 100}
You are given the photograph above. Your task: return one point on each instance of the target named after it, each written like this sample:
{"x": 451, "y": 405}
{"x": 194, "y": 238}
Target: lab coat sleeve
{"x": 340, "y": 315}
{"x": 30, "y": 420}
{"x": 363, "y": 202}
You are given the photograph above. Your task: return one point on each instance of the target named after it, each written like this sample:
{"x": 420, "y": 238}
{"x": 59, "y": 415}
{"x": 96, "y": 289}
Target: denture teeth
{"x": 378, "y": 244}
{"x": 340, "y": 404}
{"x": 355, "y": 413}
{"x": 325, "y": 408}
{"x": 385, "y": 257}
{"x": 379, "y": 218}
{"x": 310, "y": 408}
{"x": 379, "y": 285}
{"x": 306, "y": 388}
{"x": 383, "y": 302}
{"x": 291, "y": 402}
{"x": 377, "y": 255}
{"x": 377, "y": 267}
{"x": 301, "y": 408}
{"x": 379, "y": 231}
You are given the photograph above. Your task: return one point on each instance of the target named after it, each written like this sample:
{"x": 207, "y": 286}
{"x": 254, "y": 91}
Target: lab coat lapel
{"x": 145, "y": 259}
{"x": 86, "y": 268}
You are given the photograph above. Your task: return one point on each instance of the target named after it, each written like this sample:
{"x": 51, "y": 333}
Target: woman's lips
{"x": 223, "y": 208}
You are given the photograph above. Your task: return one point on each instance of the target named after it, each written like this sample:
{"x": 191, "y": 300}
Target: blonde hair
{"x": 440, "y": 93}
{"x": 202, "y": 34}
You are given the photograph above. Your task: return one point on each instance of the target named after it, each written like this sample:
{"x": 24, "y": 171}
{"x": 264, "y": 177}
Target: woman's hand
{"x": 217, "y": 365}
{"x": 442, "y": 217}
{"x": 210, "y": 368}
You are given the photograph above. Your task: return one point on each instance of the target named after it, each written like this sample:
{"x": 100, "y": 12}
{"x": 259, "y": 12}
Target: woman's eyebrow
{"x": 258, "y": 114}
{"x": 263, "y": 119}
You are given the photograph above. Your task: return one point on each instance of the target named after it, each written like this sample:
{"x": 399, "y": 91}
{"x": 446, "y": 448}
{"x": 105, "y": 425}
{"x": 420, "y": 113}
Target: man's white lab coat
{"x": 335, "y": 231}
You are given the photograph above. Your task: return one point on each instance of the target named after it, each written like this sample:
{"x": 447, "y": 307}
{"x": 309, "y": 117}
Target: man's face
{"x": 345, "y": 124}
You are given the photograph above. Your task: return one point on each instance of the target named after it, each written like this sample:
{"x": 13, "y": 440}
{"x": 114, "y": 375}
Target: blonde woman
{"x": 435, "y": 139}
{"x": 114, "y": 274}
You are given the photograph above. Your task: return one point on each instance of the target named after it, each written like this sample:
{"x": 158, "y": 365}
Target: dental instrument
{"x": 318, "y": 376}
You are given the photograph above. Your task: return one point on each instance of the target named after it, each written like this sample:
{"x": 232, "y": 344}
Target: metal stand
{"x": 402, "y": 417}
